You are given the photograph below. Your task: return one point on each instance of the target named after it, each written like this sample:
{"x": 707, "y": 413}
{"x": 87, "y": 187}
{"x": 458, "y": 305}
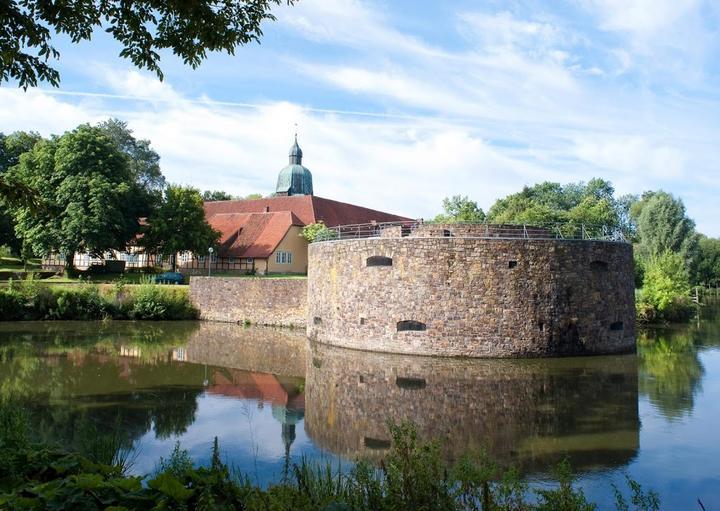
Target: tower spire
{"x": 295, "y": 153}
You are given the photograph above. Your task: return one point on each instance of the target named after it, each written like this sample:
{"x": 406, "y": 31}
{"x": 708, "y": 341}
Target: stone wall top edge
{"x": 479, "y": 238}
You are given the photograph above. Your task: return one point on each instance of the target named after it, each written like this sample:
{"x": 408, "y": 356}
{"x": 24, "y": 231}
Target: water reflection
{"x": 670, "y": 372}
{"x": 269, "y": 396}
{"x": 531, "y": 412}
{"x": 81, "y": 380}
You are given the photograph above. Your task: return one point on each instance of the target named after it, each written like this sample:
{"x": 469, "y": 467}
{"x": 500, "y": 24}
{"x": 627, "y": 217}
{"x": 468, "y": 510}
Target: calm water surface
{"x": 272, "y": 398}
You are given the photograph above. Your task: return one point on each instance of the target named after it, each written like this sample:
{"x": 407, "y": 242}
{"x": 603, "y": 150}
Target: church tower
{"x": 294, "y": 179}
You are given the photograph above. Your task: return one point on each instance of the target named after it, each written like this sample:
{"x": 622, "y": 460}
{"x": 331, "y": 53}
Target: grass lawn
{"x": 15, "y": 264}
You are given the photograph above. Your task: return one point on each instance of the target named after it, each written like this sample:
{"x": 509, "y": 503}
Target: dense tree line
{"x": 94, "y": 189}
{"x": 670, "y": 255}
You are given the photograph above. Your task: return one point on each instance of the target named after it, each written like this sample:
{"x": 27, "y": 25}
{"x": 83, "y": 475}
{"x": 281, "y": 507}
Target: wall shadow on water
{"x": 528, "y": 412}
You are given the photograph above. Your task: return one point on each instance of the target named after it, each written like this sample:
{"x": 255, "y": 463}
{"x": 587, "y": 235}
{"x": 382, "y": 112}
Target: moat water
{"x": 272, "y": 398}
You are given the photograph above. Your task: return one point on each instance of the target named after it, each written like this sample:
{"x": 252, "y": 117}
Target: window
{"x": 410, "y": 325}
{"x": 201, "y": 259}
{"x": 512, "y": 264}
{"x": 282, "y": 257}
{"x": 599, "y": 266}
{"x": 410, "y": 383}
{"x": 231, "y": 260}
{"x": 378, "y": 261}
{"x": 618, "y": 325}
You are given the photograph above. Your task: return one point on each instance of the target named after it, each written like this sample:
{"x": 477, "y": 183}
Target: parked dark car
{"x": 170, "y": 277}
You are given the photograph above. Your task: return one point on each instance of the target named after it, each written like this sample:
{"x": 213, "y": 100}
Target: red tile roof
{"x": 307, "y": 208}
{"x": 254, "y": 228}
{"x": 251, "y": 234}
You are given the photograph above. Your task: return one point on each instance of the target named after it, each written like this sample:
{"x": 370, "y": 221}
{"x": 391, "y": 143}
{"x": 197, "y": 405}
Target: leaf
{"x": 169, "y": 485}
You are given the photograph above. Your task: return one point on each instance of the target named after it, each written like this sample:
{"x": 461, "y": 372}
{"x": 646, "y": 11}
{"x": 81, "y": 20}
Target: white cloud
{"x": 646, "y": 17}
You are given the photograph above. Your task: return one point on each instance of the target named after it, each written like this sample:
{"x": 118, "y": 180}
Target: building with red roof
{"x": 264, "y": 235}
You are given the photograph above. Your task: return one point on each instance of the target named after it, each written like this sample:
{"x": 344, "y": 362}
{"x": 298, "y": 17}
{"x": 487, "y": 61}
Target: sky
{"x": 399, "y": 104}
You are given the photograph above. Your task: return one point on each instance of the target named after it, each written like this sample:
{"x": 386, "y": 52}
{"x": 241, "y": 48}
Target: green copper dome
{"x": 294, "y": 179}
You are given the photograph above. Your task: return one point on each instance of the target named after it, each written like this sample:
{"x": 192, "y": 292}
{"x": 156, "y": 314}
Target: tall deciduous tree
{"x": 12, "y": 192}
{"x": 460, "y": 209}
{"x": 662, "y": 226}
{"x": 142, "y": 27}
{"x": 90, "y": 200}
{"x": 143, "y": 161}
{"x": 708, "y": 267}
{"x": 179, "y": 225}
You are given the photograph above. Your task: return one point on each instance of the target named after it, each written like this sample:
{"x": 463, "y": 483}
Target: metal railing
{"x": 420, "y": 229}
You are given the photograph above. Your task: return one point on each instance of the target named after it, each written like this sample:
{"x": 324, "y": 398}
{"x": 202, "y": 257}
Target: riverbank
{"x": 32, "y": 300}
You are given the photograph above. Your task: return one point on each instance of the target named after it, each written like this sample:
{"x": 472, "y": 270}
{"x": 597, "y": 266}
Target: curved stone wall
{"x": 476, "y": 297}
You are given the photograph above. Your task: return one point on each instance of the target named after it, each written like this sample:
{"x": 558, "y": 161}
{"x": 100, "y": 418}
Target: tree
{"x": 460, "y": 209}
{"x": 708, "y": 267}
{"x": 318, "y": 231}
{"x": 662, "y": 226}
{"x": 90, "y": 202}
{"x": 144, "y": 162}
{"x": 11, "y": 192}
{"x": 179, "y": 225}
{"x": 666, "y": 286}
{"x": 216, "y": 195}
{"x": 143, "y": 28}
{"x": 590, "y": 203}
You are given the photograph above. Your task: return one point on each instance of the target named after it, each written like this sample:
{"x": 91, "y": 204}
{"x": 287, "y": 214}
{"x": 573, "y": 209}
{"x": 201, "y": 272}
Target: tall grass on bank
{"x": 32, "y": 300}
{"x": 412, "y": 477}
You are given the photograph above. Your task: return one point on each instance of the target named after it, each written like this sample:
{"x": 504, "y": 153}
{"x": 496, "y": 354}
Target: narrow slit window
{"x": 410, "y": 383}
{"x": 599, "y": 266}
{"x": 379, "y": 261}
{"x": 411, "y": 326}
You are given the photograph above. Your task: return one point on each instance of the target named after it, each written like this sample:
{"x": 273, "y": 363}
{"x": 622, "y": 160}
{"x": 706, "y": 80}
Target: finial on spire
{"x": 295, "y": 151}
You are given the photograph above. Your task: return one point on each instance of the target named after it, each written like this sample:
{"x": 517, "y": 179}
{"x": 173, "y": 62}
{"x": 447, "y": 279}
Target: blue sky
{"x": 402, "y": 103}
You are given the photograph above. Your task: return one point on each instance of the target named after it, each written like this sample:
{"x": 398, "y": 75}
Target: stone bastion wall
{"x": 260, "y": 301}
{"x": 454, "y": 295}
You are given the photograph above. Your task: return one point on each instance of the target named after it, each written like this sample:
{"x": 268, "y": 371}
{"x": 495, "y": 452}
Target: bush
{"x": 150, "y": 301}
{"x": 31, "y": 300}
{"x": 666, "y": 290}
{"x": 85, "y": 303}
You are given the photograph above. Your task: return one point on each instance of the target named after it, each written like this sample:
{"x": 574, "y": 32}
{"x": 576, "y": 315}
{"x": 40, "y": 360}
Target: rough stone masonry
{"x": 472, "y": 296}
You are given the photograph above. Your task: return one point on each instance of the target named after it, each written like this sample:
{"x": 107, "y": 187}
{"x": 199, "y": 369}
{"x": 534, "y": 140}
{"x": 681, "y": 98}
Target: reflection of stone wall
{"x": 476, "y": 297}
{"x": 262, "y": 301}
{"x": 529, "y": 411}
{"x": 256, "y": 349}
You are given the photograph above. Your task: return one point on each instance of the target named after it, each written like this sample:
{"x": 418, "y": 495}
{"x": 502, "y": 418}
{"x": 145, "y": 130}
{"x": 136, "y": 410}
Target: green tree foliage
{"x": 591, "y": 203}
{"x": 317, "y": 232}
{"x": 90, "y": 201}
{"x": 11, "y": 192}
{"x": 216, "y": 195}
{"x": 143, "y": 28}
{"x": 179, "y": 224}
{"x": 666, "y": 286}
{"x": 460, "y": 209}
{"x": 143, "y": 161}
{"x": 663, "y": 225}
{"x": 708, "y": 267}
